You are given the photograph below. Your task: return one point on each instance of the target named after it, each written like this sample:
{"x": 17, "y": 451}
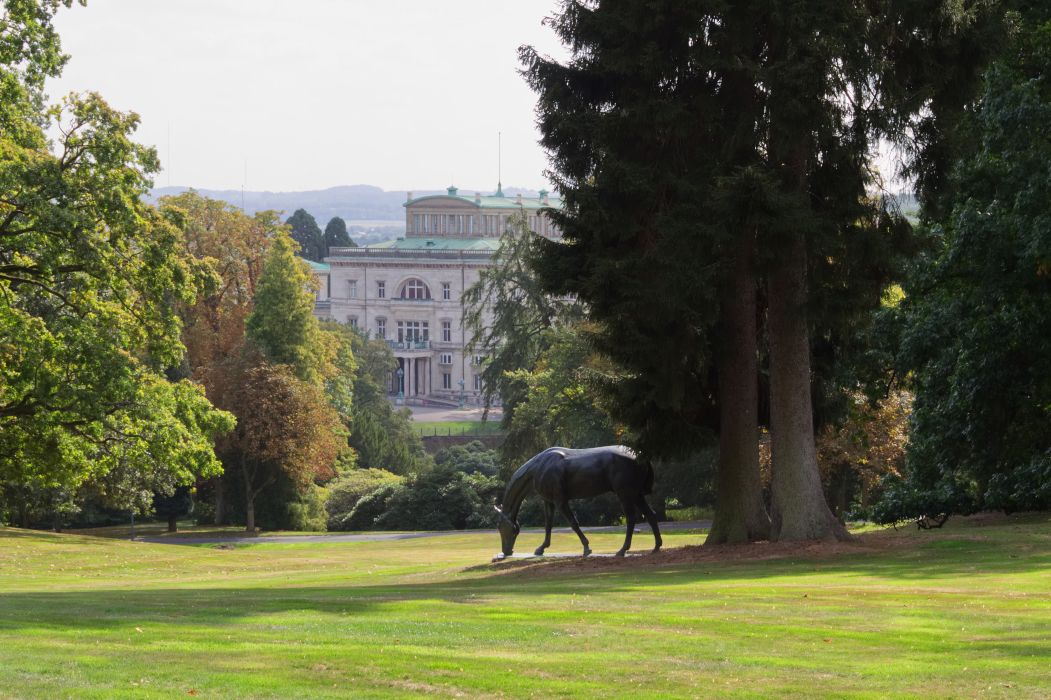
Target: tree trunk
{"x": 249, "y": 496}
{"x": 249, "y": 513}
{"x": 740, "y": 515}
{"x": 220, "y": 503}
{"x": 172, "y": 524}
{"x": 798, "y": 508}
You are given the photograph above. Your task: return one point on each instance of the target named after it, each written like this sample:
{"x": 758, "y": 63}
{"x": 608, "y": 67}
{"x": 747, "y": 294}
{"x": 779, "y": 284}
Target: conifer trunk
{"x": 740, "y": 515}
{"x": 798, "y": 508}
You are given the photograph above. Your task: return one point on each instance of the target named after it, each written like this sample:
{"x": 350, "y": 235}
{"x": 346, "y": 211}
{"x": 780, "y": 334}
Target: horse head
{"x": 509, "y": 530}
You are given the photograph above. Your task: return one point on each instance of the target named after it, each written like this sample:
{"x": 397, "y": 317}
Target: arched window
{"x": 415, "y": 289}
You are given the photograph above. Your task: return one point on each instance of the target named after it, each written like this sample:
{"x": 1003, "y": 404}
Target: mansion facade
{"x": 409, "y": 291}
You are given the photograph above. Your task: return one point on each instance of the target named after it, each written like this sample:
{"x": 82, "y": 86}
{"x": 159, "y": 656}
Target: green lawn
{"x": 458, "y": 427}
{"x": 960, "y": 612}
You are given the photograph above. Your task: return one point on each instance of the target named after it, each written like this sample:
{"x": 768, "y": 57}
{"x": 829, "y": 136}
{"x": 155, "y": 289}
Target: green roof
{"x": 455, "y": 244}
{"x": 493, "y": 202}
{"x": 317, "y": 266}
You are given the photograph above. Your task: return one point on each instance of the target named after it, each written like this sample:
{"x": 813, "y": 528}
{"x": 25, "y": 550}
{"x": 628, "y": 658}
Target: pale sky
{"x": 401, "y": 94}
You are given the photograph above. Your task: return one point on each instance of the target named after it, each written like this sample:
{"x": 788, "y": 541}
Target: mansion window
{"x": 447, "y": 291}
{"x": 446, "y": 358}
{"x": 381, "y": 328}
{"x": 415, "y": 289}
{"x": 447, "y": 331}
{"x": 447, "y": 380}
{"x": 478, "y": 359}
{"x": 413, "y": 331}
{"x": 477, "y": 382}
{"x": 491, "y": 225}
{"x": 352, "y": 289}
{"x": 381, "y": 289}
{"x": 353, "y": 321}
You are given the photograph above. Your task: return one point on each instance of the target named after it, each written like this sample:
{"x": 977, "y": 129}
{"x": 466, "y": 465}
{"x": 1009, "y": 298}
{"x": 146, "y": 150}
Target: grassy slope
{"x": 458, "y": 427}
{"x": 962, "y": 612}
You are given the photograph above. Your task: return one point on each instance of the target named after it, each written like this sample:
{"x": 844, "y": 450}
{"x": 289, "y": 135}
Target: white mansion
{"x": 409, "y": 291}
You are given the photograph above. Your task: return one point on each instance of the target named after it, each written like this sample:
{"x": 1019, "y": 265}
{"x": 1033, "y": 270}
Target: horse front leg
{"x": 630, "y": 516}
{"x": 651, "y": 518}
{"x": 549, "y": 514}
{"x": 568, "y": 512}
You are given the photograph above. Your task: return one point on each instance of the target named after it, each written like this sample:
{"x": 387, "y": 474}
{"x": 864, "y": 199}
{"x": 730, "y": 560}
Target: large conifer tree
{"x": 713, "y": 159}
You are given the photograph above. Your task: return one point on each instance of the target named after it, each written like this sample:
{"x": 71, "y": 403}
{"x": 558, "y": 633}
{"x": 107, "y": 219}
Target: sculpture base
{"x": 563, "y": 555}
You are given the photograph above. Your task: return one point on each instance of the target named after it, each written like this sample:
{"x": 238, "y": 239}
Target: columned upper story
{"x": 477, "y": 216}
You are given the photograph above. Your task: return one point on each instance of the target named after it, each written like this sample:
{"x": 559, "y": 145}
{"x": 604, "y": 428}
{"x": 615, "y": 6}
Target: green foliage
{"x": 89, "y": 278}
{"x": 557, "y": 402}
{"x": 336, "y": 235}
{"x": 307, "y": 512}
{"x": 369, "y": 507}
{"x": 382, "y": 436}
{"x": 507, "y": 311}
{"x": 441, "y": 498}
{"x": 282, "y": 323}
{"x": 345, "y": 492}
{"x": 457, "y": 492}
{"x": 308, "y": 235}
{"x": 470, "y": 458}
{"x": 977, "y": 314}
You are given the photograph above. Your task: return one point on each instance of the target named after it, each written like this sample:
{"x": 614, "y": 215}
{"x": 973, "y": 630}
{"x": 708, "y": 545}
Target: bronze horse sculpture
{"x": 559, "y": 475}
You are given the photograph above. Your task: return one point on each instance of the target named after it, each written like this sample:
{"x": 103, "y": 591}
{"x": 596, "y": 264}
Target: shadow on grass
{"x": 116, "y": 608}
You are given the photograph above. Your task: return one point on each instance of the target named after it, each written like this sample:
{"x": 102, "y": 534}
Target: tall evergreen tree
{"x": 307, "y": 234}
{"x": 336, "y": 235}
{"x": 711, "y": 154}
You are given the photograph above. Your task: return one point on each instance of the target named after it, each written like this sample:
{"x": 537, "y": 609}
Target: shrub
{"x": 308, "y": 511}
{"x": 441, "y": 499}
{"x": 369, "y": 507}
{"x": 345, "y": 492}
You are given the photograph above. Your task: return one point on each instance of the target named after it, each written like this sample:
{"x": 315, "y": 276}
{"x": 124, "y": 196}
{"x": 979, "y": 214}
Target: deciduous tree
{"x": 89, "y": 277}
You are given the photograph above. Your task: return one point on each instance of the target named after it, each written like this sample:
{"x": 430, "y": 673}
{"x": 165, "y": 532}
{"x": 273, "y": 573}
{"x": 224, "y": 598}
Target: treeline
{"x": 160, "y": 359}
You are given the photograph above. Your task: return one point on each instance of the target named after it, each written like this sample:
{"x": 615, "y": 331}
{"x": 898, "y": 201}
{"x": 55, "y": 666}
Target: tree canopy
{"x": 89, "y": 278}
{"x": 336, "y": 235}
{"x": 976, "y": 336}
{"x": 308, "y": 235}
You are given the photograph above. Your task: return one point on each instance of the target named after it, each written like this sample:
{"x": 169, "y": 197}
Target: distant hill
{"x": 352, "y": 202}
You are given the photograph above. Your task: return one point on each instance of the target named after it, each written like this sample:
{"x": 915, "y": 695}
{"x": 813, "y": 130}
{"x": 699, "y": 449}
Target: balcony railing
{"x": 409, "y": 344}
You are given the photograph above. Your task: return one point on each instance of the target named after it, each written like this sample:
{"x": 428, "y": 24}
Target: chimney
{"x": 543, "y": 196}
{"x": 409, "y": 199}
{"x": 518, "y": 200}
{"x": 477, "y": 197}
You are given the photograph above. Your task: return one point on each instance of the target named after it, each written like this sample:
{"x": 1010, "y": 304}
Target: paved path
{"x": 385, "y": 536}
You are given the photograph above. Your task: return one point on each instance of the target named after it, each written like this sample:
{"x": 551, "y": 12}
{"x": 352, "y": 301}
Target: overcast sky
{"x": 402, "y": 94}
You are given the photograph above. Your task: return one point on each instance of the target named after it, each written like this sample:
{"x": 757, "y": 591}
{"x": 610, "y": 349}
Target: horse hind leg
{"x": 549, "y": 514}
{"x": 631, "y": 516}
{"x": 651, "y": 518}
{"x": 568, "y": 512}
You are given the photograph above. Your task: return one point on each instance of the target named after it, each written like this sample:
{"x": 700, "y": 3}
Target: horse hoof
{"x": 656, "y": 549}
{"x": 539, "y": 552}
{"x": 620, "y": 553}
{"x": 587, "y": 551}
